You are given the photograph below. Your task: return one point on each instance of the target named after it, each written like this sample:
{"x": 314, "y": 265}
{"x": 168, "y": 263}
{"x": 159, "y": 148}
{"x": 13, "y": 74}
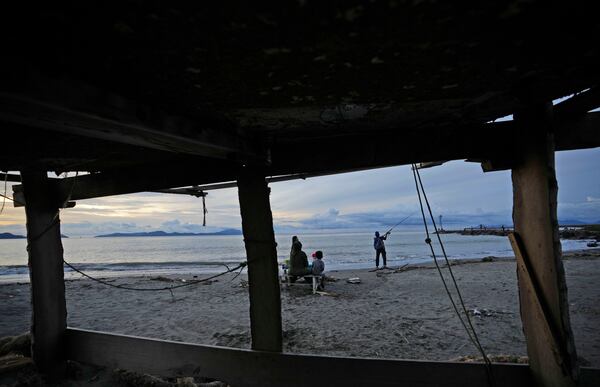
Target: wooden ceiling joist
{"x": 492, "y": 141}
{"x": 131, "y": 181}
{"x": 165, "y": 132}
{"x": 579, "y": 104}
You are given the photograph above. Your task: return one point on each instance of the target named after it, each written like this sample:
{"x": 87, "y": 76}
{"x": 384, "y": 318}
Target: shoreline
{"x": 389, "y": 314}
{"x": 214, "y": 268}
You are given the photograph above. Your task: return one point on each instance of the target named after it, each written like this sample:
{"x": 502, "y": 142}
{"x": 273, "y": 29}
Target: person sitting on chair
{"x": 298, "y": 261}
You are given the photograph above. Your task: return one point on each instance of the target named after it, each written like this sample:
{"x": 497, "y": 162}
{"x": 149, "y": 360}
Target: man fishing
{"x": 380, "y": 248}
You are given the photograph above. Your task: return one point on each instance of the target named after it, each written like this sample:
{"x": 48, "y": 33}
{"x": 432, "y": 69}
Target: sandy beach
{"x": 388, "y": 315}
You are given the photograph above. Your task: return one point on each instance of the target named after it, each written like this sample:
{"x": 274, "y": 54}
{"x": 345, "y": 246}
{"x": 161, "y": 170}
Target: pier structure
{"x": 145, "y": 96}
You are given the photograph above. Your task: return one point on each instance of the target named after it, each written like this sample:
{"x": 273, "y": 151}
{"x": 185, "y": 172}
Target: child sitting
{"x": 318, "y": 267}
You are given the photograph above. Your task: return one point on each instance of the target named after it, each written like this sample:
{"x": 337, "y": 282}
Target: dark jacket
{"x": 378, "y": 242}
{"x": 318, "y": 267}
{"x": 298, "y": 260}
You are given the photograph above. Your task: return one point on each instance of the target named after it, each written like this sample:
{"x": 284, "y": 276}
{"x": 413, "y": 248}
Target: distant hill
{"x": 227, "y": 231}
{"x": 7, "y": 235}
{"x": 571, "y": 222}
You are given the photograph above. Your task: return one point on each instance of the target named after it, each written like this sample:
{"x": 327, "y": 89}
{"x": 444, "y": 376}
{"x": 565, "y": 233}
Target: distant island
{"x": 227, "y": 231}
{"x": 7, "y": 235}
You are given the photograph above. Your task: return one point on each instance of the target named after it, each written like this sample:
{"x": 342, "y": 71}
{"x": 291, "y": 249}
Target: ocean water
{"x": 106, "y": 257}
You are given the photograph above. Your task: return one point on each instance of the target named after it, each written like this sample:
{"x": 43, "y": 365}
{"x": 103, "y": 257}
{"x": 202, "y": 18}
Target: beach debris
{"x": 186, "y": 382}
{"x": 19, "y": 345}
{"x": 11, "y": 363}
{"x": 214, "y": 383}
{"x": 401, "y": 268}
{"x": 485, "y": 312}
{"x": 161, "y": 278}
{"x": 324, "y": 293}
{"x": 353, "y": 280}
{"x": 128, "y": 378}
{"x": 493, "y": 358}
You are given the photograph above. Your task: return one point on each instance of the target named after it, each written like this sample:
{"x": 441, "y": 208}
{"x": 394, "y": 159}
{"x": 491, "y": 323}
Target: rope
{"x": 204, "y": 210}
{"x": 242, "y": 265}
{"x": 470, "y": 332}
{"x": 4, "y": 196}
{"x": 238, "y": 274}
{"x": 8, "y": 197}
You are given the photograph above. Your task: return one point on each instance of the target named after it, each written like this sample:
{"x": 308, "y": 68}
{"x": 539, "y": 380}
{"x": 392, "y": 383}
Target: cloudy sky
{"x": 459, "y": 191}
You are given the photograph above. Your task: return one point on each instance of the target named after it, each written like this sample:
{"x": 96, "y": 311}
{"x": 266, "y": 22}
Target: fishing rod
{"x": 399, "y": 223}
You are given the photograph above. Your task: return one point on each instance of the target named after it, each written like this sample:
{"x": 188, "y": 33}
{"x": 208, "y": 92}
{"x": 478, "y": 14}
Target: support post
{"x": 552, "y": 356}
{"x": 44, "y": 246}
{"x": 263, "y": 274}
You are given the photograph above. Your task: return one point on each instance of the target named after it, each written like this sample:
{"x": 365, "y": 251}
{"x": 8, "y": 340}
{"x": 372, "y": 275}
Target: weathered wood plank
{"x": 335, "y": 156}
{"x": 161, "y": 131}
{"x": 263, "y": 272}
{"x": 241, "y": 367}
{"x": 134, "y": 180}
{"x": 10, "y": 177}
{"x": 405, "y": 145}
{"x": 49, "y": 311}
{"x": 579, "y": 104}
{"x": 535, "y": 220}
{"x": 532, "y": 289}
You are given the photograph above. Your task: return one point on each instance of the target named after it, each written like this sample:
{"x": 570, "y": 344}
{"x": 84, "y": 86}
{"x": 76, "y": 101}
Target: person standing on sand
{"x": 298, "y": 260}
{"x": 379, "y": 247}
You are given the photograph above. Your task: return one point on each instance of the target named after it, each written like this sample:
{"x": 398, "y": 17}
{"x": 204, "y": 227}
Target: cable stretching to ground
{"x": 470, "y": 332}
{"x": 190, "y": 283}
{"x": 170, "y": 288}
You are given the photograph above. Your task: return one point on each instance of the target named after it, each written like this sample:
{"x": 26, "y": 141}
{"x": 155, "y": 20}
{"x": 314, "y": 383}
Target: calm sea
{"x": 107, "y": 257}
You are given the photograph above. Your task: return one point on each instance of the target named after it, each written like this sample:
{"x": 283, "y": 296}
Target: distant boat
{"x": 592, "y": 244}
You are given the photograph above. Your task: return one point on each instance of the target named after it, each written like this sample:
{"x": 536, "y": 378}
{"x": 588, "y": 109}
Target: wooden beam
{"x": 359, "y": 152}
{"x": 532, "y": 287}
{"x": 240, "y": 367}
{"x": 579, "y": 132}
{"x": 263, "y": 271}
{"x": 132, "y": 180}
{"x": 398, "y": 147}
{"x": 578, "y": 105}
{"x": 534, "y": 215}
{"x": 152, "y": 129}
{"x": 44, "y": 246}
{"x": 10, "y": 177}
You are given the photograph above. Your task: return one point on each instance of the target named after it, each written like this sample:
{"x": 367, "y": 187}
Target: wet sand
{"x": 388, "y": 315}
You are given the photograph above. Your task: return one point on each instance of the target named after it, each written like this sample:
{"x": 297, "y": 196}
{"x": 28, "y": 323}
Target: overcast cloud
{"x": 459, "y": 191}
